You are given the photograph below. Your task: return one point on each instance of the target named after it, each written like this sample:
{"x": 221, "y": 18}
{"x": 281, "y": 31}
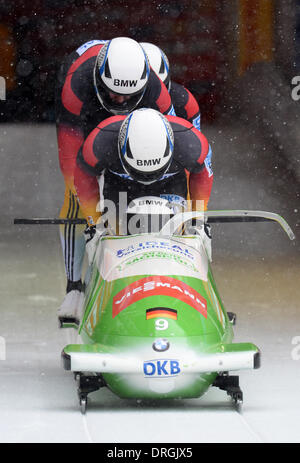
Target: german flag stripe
{"x": 161, "y": 312}
{"x": 161, "y": 315}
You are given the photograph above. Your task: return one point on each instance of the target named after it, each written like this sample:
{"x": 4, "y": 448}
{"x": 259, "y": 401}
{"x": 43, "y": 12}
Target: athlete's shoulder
{"x": 89, "y": 46}
{"x": 179, "y": 124}
{"x": 86, "y": 52}
{"x": 101, "y": 143}
{"x": 191, "y": 145}
{"x": 76, "y": 76}
{"x": 111, "y": 124}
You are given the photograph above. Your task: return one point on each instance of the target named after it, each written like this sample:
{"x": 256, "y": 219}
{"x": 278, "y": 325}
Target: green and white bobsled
{"x": 154, "y": 325}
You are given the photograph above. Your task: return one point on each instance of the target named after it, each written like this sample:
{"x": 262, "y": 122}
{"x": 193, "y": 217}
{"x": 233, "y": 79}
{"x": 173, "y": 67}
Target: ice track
{"x": 257, "y": 270}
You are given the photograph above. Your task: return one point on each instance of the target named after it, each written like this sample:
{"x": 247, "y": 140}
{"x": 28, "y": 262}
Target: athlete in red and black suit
{"x": 192, "y": 154}
{"x": 78, "y": 110}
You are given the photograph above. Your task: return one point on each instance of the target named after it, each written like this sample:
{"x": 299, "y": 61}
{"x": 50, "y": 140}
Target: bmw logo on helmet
{"x": 146, "y": 144}
{"x": 121, "y": 75}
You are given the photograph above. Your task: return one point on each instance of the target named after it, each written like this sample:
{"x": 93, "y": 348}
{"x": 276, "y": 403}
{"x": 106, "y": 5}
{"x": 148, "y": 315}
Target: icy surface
{"x": 257, "y": 272}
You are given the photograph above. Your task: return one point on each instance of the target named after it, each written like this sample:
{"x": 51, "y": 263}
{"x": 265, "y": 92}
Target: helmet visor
{"x": 117, "y": 102}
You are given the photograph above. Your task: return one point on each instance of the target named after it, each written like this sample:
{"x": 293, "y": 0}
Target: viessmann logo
{"x": 158, "y": 286}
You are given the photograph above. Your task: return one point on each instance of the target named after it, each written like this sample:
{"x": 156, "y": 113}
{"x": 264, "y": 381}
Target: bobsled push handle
{"x": 49, "y": 221}
{"x": 179, "y": 220}
{"x": 231, "y": 216}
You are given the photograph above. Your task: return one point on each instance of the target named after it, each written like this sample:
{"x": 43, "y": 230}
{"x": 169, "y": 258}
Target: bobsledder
{"x": 154, "y": 325}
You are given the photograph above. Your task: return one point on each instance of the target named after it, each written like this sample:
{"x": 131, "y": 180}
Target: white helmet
{"x": 121, "y": 75}
{"x": 146, "y": 144}
{"x": 158, "y": 61}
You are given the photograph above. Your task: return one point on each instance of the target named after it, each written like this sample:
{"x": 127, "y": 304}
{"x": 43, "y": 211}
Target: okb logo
{"x": 161, "y": 368}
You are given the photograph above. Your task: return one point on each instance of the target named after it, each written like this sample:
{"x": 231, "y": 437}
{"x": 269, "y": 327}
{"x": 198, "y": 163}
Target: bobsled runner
{"x": 154, "y": 325}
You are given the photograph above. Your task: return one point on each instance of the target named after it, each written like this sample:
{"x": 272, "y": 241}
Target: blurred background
{"x": 210, "y": 44}
{"x": 238, "y": 58}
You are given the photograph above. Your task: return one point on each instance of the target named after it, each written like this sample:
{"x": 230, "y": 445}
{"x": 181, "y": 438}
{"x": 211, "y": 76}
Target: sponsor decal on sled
{"x": 161, "y": 368}
{"x": 158, "y": 286}
{"x": 158, "y": 255}
{"x": 163, "y": 245}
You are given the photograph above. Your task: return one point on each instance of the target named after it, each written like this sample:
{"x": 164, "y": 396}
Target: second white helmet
{"x": 158, "y": 61}
{"x": 146, "y": 145}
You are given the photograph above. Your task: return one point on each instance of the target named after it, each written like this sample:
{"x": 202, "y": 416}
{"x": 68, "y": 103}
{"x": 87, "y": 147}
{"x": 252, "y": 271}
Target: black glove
{"x": 207, "y": 229}
{"x": 89, "y": 233}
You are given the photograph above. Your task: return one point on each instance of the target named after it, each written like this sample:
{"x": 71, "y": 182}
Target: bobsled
{"x": 154, "y": 325}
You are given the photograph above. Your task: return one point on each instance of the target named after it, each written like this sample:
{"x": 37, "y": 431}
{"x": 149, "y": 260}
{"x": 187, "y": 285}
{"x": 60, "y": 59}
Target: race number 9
{"x": 161, "y": 324}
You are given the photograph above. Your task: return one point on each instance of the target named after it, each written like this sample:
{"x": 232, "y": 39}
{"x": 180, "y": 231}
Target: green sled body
{"x": 154, "y": 325}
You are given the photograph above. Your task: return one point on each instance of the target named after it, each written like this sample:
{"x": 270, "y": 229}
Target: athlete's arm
{"x": 86, "y": 184}
{"x": 185, "y": 104}
{"x": 87, "y": 190}
{"x": 96, "y": 154}
{"x": 201, "y": 174}
{"x": 200, "y": 185}
{"x": 69, "y": 141}
{"x": 192, "y": 151}
{"x": 192, "y": 110}
{"x": 157, "y": 96}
